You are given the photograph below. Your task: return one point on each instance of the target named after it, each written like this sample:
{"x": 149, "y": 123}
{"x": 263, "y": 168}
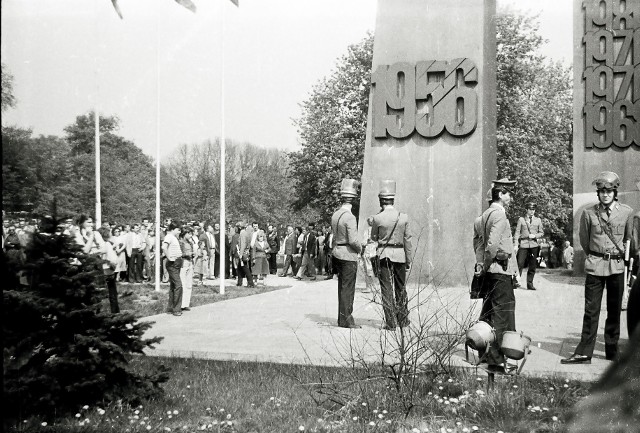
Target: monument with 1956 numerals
{"x": 432, "y": 125}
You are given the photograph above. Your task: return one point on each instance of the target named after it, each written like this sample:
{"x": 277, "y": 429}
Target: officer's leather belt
{"x": 391, "y": 246}
{"x": 342, "y": 245}
{"x": 606, "y": 256}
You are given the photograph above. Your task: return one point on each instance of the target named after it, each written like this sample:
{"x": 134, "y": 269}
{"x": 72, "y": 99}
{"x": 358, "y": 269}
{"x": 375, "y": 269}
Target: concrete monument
{"x": 432, "y": 125}
{"x": 606, "y": 102}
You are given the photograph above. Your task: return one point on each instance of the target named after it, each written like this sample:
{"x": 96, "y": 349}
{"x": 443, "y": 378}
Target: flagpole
{"x": 223, "y": 151}
{"x": 157, "y": 247}
{"x": 98, "y": 218}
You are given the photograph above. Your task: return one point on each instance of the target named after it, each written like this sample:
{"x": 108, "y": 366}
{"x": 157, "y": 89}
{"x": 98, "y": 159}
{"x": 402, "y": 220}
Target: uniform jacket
{"x": 497, "y": 239}
{"x": 524, "y": 228}
{"x": 593, "y": 238}
{"x": 392, "y": 244}
{"x": 478, "y": 239}
{"x": 345, "y": 229}
{"x": 290, "y": 244}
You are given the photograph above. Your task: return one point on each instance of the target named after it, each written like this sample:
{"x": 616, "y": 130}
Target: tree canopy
{"x": 533, "y": 130}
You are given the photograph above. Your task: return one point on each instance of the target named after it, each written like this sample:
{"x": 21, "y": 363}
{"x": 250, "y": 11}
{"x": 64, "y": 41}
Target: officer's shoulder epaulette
{"x": 625, "y": 206}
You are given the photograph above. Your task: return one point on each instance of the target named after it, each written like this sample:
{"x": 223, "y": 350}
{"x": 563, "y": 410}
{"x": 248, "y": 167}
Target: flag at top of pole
{"x": 185, "y": 3}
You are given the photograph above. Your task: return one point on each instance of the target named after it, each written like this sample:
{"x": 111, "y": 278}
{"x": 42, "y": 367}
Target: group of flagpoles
{"x": 223, "y": 224}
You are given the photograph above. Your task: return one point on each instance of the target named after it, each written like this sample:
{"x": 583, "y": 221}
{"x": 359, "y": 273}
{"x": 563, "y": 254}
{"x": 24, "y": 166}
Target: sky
{"x": 162, "y": 68}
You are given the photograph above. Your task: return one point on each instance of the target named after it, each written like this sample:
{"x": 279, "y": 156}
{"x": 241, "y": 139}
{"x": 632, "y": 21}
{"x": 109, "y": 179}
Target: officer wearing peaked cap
{"x": 346, "y": 252}
{"x": 390, "y": 228}
{"x": 603, "y": 232}
{"x": 499, "y": 264}
{"x": 528, "y": 231}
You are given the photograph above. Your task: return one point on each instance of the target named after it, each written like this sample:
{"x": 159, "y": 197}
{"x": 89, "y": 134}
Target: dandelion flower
{"x": 465, "y": 430}
{"x": 566, "y": 380}
{"x": 364, "y": 404}
{"x": 167, "y": 429}
{"x": 415, "y": 430}
{"x": 272, "y": 398}
{"x": 447, "y": 402}
{"x": 515, "y": 386}
{"x": 188, "y": 386}
{"x": 208, "y": 409}
{"x": 85, "y": 407}
{"x": 388, "y": 421}
{"x": 170, "y": 416}
{"x": 565, "y": 386}
{"x": 168, "y": 412}
{"x": 474, "y": 428}
{"x": 479, "y": 379}
{"x": 450, "y": 380}
{"x": 222, "y": 410}
{"x": 301, "y": 428}
{"x": 43, "y": 423}
{"x": 355, "y": 418}
{"x": 229, "y": 423}
{"x": 372, "y": 424}
{"x": 175, "y": 412}
{"x": 375, "y": 411}
{"x": 440, "y": 388}
{"x": 380, "y": 416}
{"x": 148, "y": 427}
{"x": 554, "y": 418}
{"x": 228, "y": 416}
{"x": 203, "y": 427}
{"x": 385, "y": 412}
{"x": 101, "y": 411}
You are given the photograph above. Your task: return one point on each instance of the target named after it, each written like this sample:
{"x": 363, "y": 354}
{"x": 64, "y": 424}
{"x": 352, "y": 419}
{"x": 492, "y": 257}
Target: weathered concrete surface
{"x": 441, "y": 180}
{"x": 297, "y": 324}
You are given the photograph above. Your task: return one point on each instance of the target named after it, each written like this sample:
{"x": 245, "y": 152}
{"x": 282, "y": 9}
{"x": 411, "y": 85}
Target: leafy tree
{"x": 332, "y": 131}
{"x": 19, "y": 175}
{"x": 257, "y": 186}
{"x": 8, "y": 100}
{"x": 61, "y": 350}
{"x": 534, "y": 123}
{"x": 533, "y": 134}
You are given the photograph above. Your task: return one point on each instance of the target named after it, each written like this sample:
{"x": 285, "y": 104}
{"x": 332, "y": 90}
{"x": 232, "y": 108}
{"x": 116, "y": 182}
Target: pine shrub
{"x": 61, "y": 349}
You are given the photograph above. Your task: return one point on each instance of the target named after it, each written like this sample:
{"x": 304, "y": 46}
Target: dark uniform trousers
{"x": 498, "y": 309}
{"x": 528, "y": 257}
{"x": 346, "y": 271}
{"x": 392, "y": 280}
{"x": 593, "y": 289}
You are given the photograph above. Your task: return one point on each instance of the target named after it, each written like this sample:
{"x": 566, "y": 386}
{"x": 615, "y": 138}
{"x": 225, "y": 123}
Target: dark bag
{"x": 478, "y": 287}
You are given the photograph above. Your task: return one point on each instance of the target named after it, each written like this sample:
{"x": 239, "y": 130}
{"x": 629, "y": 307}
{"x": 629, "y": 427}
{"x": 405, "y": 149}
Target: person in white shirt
{"x": 135, "y": 248}
{"x": 173, "y": 253}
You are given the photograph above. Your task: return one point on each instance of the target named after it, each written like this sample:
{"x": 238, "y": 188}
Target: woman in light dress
{"x": 118, "y": 241}
{"x": 260, "y": 264}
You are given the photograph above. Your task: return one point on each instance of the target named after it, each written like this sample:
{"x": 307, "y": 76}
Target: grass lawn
{"x": 143, "y": 300}
{"x": 217, "y": 396}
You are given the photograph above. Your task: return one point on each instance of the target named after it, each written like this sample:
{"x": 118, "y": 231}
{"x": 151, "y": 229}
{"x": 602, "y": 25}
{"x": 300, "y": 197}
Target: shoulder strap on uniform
{"x": 333, "y": 239}
{"x": 606, "y": 228}
{"x": 391, "y": 234}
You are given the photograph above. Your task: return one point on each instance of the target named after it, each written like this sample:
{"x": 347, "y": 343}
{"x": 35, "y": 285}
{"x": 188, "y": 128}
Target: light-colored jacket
{"x": 345, "y": 228}
{"x": 478, "y": 239}
{"x": 498, "y": 239}
{"x": 593, "y": 238}
{"x": 524, "y": 228}
{"x": 394, "y": 244}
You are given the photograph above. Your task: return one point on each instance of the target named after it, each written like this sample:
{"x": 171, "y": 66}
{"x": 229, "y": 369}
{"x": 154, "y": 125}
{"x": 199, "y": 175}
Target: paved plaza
{"x": 297, "y": 324}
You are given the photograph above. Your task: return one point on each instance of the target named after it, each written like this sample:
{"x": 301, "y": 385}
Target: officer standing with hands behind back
{"x": 602, "y": 237}
{"x": 346, "y": 252}
{"x": 528, "y": 230}
{"x": 390, "y": 228}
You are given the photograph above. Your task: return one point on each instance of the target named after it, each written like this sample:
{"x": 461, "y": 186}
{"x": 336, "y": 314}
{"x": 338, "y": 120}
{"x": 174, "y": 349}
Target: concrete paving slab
{"x": 297, "y": 324}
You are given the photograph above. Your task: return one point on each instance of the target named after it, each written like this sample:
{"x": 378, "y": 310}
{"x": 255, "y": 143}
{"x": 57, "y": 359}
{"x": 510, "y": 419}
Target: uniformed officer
{"x": 500, "y": 265}
{"x": 528, "y": 230}
{"x": 602, "y": 236}
{"x": 346, "y": 251}
{"x": 390, "y": 228}
{"x": 633, "y": 304}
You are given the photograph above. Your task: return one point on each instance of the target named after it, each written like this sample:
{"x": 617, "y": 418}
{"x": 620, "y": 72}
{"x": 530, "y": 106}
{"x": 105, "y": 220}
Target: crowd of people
{"x": 251, "y": 251}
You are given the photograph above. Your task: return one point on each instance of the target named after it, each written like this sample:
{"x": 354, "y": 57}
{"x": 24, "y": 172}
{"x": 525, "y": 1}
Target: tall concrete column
{"x": 606, "y": 102}
{"x": 432, "y": 126}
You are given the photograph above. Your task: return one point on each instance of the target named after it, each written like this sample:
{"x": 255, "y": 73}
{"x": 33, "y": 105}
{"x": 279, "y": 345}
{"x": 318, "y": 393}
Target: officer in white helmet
{"x": 603, "y": 232}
